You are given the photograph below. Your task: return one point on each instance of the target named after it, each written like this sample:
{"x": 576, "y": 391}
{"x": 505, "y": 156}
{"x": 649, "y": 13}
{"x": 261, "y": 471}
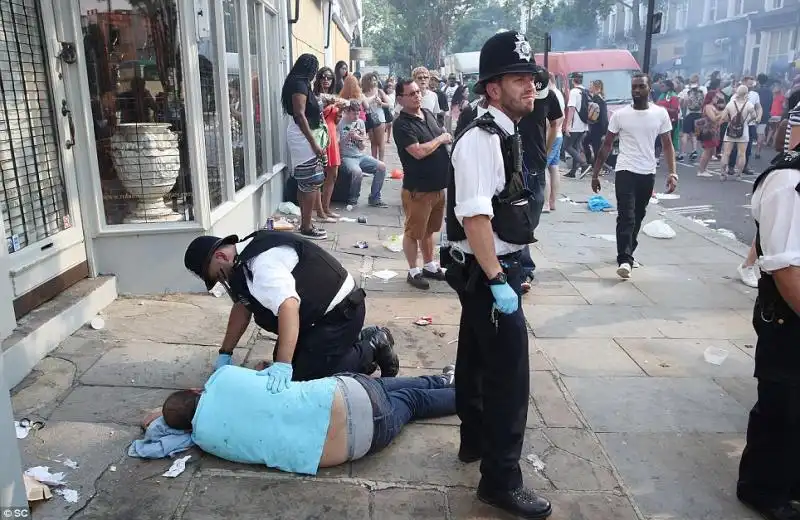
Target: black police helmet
{"x": 507, "y": 52}
{"x": 198, "y": 255}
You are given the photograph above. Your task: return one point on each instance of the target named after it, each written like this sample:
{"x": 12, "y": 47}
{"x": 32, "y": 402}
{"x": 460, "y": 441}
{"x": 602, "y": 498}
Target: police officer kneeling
{"x": 489, "y": 221}
{"x": 769, "y": 473}
{"x": 298, "y": 291}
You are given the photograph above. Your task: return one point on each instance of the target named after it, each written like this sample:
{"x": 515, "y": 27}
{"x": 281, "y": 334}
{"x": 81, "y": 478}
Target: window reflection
{"x": 135, "y": 82}
{"x": 234, "y": 92}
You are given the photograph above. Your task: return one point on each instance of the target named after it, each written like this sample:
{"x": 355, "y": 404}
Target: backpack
{"x": 736, "y": 126}
{"x": 583, "y": 113}
{"x": 704, "y": 129}
{"x": 694, "y": 99}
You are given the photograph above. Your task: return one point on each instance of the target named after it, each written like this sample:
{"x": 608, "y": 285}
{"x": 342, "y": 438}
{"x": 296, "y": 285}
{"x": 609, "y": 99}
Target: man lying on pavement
{"x": 311, "y": 424}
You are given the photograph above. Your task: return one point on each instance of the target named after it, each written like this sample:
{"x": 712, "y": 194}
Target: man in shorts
{"x": 422, "y": 147}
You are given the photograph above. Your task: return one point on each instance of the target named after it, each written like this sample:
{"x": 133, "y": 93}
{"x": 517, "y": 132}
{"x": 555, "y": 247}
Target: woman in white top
{"x": 739, "y": 113}
{"x": 390, "y": 112}
{"x": 376, "y": 101}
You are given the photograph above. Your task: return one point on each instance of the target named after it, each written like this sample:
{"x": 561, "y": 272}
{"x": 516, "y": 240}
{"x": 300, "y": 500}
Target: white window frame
{"x": 775, "y": 4}
{"x": 612, "y": 23}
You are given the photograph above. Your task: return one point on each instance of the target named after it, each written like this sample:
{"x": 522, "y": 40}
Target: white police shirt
{"x": 776, "y": 208}
{"x": 479, "y": 175}
{"x": 273, "y": 283}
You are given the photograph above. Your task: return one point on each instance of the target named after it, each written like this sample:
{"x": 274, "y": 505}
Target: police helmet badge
{"x": 523, "y": 48}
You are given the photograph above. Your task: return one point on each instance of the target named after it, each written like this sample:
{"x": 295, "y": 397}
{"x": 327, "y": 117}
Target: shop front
{"x": 127, "y": 128}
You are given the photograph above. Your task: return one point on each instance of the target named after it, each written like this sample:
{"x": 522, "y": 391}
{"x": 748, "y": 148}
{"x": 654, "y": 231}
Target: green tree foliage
{"x": 471, "y": 31}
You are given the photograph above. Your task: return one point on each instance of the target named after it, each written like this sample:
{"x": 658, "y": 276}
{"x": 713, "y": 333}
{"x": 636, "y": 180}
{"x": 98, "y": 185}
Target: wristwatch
{"x": 499, "y": 279}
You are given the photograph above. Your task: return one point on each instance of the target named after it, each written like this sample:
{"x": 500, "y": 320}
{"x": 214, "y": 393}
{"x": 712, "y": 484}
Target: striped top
{"x": 794, "y": 120}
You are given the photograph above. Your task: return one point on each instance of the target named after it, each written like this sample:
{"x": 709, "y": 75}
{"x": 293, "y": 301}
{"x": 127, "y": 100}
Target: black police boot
{"x": 788, "y": 511}
{"x": 383, "y": 343}
{"x": 468, "y": 455}
{"x": 521, "y": 502}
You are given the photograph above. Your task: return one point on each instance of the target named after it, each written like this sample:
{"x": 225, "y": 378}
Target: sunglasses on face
{"x": 327, "y": 78}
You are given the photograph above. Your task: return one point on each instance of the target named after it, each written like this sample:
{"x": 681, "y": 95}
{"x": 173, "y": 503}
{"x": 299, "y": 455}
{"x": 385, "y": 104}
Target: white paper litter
{"x": 384, "y": 275}
{"x": 568, "y": 200}
{"x": 715, "y": 355}
{"x": 535, "y": 461}
{"x": 394, "y": 244}
{"x": 22, "y": 431}
{"x": 667, "y": 196}
{"x": 112, "y": 468}
{"x": 177, "y": 467}
{"x": 70, "y": 495}
{"x": 43, "y": 475}
{"x": 726, "y": 233}
{"x": 658, "y": 229}
{"x": 347, "y": 219}
{"x": 288, "y": 208}
{"x": 70, "y": 464}
{"x": 97, "y": 323}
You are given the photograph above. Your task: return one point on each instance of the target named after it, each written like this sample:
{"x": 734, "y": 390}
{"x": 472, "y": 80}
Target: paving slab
{"x": 743, "y": 389}
{"x": 398, "y": 284}
{"x": 427, "y": 454}
{"x": 552, "y": 282}
{"x": 82, "y": 352}
{"x": 551, "y": 402}
{"x": 574, "y": 461}
{"x": 136, "y": 490}
{"x": 612, "y": 291}
{"x": 687, "y": 323}
{"x": 156, "y": 365}
{"x": 202, "y": 316}
{"x": 588, "y": 357}
{"x": 401, "y": 504}
{"x": 590, "y": 321}
{"x": 109, "y": 404}
{"x": 94, "y": 446}
{"x": 218, "y": 496}
{"x": 748, "y": 346}
{"x": 650, "y": 404}
{"x": 664, "y": 357}
{"x": 38, "y": 393}
{"x": 393, "y": 309}
{"x": 464, "y": 505}
{"x": 692, "y": 294}
{"x": 431, "y": 346}
{"x": 685, "y": 476}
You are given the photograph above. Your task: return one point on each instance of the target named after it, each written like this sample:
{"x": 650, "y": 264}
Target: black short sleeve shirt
{"x": 428, "y": 174}
{"x": 313, "y": 111}
{"x": 533, "y": 131}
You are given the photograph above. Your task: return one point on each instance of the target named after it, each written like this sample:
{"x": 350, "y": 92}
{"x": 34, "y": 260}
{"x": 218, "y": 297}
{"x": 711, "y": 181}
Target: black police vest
{"x": 513, "y": 219}
{"x": 318, "y": 277}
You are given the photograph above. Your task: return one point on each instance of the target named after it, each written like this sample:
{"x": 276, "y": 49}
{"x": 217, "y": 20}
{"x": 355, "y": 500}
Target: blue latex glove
{"x": 506, "y": 300}
{"x": 222, "y": 360}
{"x": 279, "y": 375}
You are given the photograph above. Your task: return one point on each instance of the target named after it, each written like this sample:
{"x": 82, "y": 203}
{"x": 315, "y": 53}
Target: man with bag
{"x": 297, "y": 290}
{"x": 489, "y": 222}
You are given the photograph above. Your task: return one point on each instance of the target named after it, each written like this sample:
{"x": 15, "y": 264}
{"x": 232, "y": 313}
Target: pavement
{"x": 626, "y": 419}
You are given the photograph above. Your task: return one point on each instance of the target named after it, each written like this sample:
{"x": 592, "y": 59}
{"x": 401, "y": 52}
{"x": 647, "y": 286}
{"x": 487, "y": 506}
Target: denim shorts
{"x": 553, "y": 158}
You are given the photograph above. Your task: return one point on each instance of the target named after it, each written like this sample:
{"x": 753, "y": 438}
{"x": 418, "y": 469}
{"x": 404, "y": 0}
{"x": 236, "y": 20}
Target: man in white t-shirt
{"x": 637, "y": 125}
{"x": 430, "y": 100}
{"x": 575, "y": 126}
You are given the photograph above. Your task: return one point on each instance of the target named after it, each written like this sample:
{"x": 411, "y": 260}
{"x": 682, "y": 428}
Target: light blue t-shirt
{"x": 238, "y": 419}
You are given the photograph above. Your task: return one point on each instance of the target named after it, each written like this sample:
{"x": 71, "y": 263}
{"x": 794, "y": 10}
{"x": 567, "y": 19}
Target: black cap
{"x": 506, "y": 52}
{"x": 198, "y": 255}
{"x": 541, "y": 80}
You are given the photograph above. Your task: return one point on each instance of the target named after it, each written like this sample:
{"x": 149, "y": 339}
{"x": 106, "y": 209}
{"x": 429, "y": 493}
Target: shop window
{"x": 33, "y": 198}
{"x": 231, "y": 17}
{"x": 212, "y": 131}
{"x": 780, "y": 43}
{"x": 136, "y": 87}
{"x": 256, "y": 87}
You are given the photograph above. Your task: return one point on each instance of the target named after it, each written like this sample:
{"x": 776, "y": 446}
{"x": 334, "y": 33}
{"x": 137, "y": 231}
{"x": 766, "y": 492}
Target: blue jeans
{"x": 396, "y": 401}
{"x": 358, "y": 166}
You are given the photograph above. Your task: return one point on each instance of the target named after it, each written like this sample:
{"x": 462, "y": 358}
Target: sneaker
{"x": 570, "y": 175}
{"x": 314, "y": 233}
{"x": 383, "y": 343}
{"x": 433, "y": 275}
{"x": 679, "y": 157}
{"x": 624, "y": 270}
{"x": 521, "y": 502}
{"x": 694, "y": 155}
{"x": 636, "y": 264}
{"x": 449, "y": 374}
{"x": 748, "y": 275}
{"x": 418, "y": 281}
{"x": 546, "y": 208}
{"x": 704, "y": 173}
{"x": 378, "y": 204}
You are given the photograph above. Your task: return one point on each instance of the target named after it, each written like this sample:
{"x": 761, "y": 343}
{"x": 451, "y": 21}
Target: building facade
{"x": 326, "y": 28}
{"x": 701, "y": 36}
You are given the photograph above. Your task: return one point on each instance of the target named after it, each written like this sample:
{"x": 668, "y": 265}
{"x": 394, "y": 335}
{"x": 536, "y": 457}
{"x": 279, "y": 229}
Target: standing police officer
{"x": 489, "y": 221}
{"x": 769, "y": 473}
{"x": 297, "y": 290}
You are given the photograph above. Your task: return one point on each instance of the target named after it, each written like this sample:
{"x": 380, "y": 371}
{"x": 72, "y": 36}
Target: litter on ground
{"x": 70, "y": 464}
{"x": 658, "y": 229}
{"x": 535, "y": 461}
{"x": 726, "y": 233}
{"x": 289, "y": 208}
{"x": 715, "y": 355}
{"x": 394, "y": 243}
{"x": 384, "y": 275}
{"x": 346, "y": 219}
{"x": 70, "y": 495}
{"x": 42, "y": 474}
{"x": 667, "y": 196}
{"x": 177, "y": 467}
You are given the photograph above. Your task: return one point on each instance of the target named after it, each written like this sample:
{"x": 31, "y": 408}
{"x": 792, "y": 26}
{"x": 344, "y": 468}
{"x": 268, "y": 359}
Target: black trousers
{"x": 633, "y": 192}
{"x": 492, "y": 387}
{"x": 573, "y": 143}
{"x": 769, "y": 472}
{"x": 332, "y": 345}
